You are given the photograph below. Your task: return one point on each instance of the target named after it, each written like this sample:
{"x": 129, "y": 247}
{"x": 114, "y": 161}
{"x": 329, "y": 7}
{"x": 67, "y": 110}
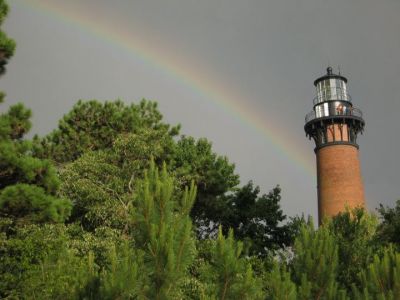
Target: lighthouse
{"x": 334, "y": 124}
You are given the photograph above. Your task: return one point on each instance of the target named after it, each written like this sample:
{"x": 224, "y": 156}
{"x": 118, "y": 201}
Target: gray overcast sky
{"x": 265, "y": 54}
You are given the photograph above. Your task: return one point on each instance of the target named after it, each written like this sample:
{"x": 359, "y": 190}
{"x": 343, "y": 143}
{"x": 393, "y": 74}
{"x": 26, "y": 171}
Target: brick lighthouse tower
{"x": 334, "y": 124}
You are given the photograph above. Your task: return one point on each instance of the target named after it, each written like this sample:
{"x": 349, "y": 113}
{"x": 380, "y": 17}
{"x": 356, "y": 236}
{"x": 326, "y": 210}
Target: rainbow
{"x": 189, "y": 75}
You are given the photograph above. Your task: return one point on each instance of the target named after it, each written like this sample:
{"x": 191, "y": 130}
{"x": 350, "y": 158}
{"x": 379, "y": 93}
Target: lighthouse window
{"x": 339, "y": 87}
{"x": 326, "y": 90}
{"x": 333, "y": 89}
{"x": 323, "y": 91}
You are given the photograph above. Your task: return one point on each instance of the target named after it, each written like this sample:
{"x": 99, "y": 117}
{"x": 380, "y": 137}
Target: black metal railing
{"x": 348, "y": 112}
{"x": 326, "y": 96}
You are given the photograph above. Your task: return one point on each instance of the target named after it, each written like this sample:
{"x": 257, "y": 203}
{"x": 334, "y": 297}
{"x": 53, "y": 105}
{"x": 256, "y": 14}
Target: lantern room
{"x": 332, "y": 97}
{"x": 333, "y": 119}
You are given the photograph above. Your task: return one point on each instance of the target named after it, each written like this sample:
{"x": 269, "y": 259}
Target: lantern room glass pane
{"x": 331, "y": 89}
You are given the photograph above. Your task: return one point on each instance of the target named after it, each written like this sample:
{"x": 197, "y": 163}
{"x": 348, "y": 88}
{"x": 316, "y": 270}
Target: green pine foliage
{"x": 315, "y": 264}
{"x": 214, "y": 176}
{"x": 15, "y": 124}
{"x": 354, "y": 232}
{"x": 163, "y": 229}
{"x": 381, "y": 279}
{"x": 28, "y": 185}
{"x": 7, "y": 45}
{"x": 279, "y": 283}
{"x": 63, "y": 276}
{"x": 228, "y": 275}
{"x": 124, "y": 278}
{"x": 92, "y": 125}
{"x": 31, "y": 204}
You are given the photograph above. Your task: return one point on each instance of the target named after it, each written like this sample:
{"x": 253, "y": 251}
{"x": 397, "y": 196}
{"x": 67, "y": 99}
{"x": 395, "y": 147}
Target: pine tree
{"x": 230, "y": 276}
{"x": 28, "y": 185}
{"x": 381, "y": 280}
{"x": 92, "y": 125}
{"x": 279, "y": 283}
{"x": 63, "y": 275}
{"x": 315, "y": 264}
{"x": 163, "y": 230}
{"x": 354, "y": 232}
{"x": 124, "y": 279}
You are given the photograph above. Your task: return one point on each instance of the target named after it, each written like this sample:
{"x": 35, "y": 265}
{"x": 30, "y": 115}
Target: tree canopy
{"x": 389, "y": 229}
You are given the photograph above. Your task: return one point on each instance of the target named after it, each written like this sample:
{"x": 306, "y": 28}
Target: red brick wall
{"x": 339, "y": 179}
